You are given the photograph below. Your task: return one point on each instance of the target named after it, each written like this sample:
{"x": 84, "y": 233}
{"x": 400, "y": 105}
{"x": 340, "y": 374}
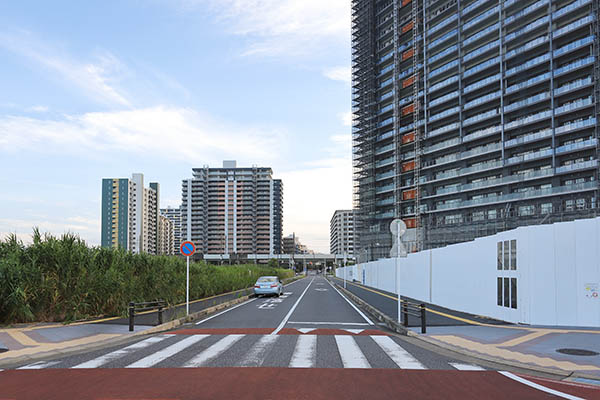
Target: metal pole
{"x": 345, "y": 267}
{"x": 131, "y": 312}
{"x": 423, "y": 322}
{"x": 187, "y": 287}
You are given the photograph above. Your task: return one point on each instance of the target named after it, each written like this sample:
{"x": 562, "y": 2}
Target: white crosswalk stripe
{"x": 257, "y": 353}
{"x": 105, "y": 359}
{"x": 352, "y": 356}
{"x": 213, "y": 351}
{"x": 401, "y": 357}
{"x": 163, "y": 354}
{"x": 40, "y": 365}
{"x": 305, "y": 352}
{"x": 467, "y": 367}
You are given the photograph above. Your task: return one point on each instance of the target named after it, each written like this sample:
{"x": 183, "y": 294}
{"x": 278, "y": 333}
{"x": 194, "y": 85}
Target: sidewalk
{"x": 534, "y": 346}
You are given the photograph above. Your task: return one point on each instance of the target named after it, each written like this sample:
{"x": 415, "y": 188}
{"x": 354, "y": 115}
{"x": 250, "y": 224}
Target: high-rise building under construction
{"x": 472, "y": 116}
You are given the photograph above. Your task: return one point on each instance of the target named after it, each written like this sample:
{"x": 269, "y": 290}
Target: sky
{"x": 105, "y": 88}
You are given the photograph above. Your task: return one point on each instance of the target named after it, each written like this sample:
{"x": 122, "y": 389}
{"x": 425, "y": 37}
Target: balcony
{"x": 531, "y": 63}
{"x": 442, "y": 84}
{"x": 481, "y": 34}
{"x": 481, "y": 67}
{"x": 387, "y": 161}
{"x": 480, "y": 18}
{"x": 481, "y": 50}
{"x": 527, "y": 46}
{"x": 482, "y": 133}
{"x": 529, "y": 157}
{"x": 482, "y": 100}
{"x": 571, "y": 7}
{"x": 586, "y": 41}
{"x": 481, "y": 83}
{"x": 527, "y": 28}
{"x": 527, "y": 10}
{"x": 543, "y": 134}
{"x": 528, "y": 120}
{"x": 579, "y": 166}
{"x": 385, "y": 175}
{"x": 444, "y": 114}
{"x": 529, "y": 82}
{"x": 574, "y": 105}
{"x": 442, "y": 39}
{"x": 573, "y": 66}
{"x": 386, "y": 188}
{"x": 573, "y": 25}
{"x": 384, "y": 149}
{"x": 575, "y": 125}
{"x": 569, "y": 148}
{"x": 571, "y": 86}
{"x": 442, "y": 54}
{"x": 481, "y": 117}
{"x": 443, "y": 145}
{"x": 446, "y": 21}
{"x": 527, "y": 102}
{"x": 443, "y": 129}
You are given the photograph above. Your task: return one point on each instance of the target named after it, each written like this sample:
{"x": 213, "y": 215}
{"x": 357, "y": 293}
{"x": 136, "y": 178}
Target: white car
{"x": 268, "y": 285}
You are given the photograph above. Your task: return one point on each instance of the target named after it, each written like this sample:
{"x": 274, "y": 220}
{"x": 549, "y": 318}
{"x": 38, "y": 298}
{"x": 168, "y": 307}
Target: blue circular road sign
{"x": 187, "y": 248}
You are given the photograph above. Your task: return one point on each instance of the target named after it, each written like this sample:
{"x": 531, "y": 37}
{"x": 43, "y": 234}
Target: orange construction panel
{"x": 407, "y": 27}
{"x": 408, "y": 54}
{"x": 410, "y": 222}
{"x": 409, "y": 137}
{"x": 408, "y": 109}
{"x": 409, "y": 194}
{"x": 405, "y": 2}
{"x": 408, "y": 166}
{"x": 409, "y": 81}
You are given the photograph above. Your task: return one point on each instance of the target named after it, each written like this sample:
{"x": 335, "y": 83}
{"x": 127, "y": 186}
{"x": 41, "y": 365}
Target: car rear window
{"x": 267, "y": 279}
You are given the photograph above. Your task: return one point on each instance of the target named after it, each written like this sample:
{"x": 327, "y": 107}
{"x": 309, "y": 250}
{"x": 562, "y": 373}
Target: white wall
{"x": 555, "y": 265}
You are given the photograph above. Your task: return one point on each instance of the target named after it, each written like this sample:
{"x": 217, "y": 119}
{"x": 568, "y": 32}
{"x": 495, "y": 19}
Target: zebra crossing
{"x": 251, "y": 350}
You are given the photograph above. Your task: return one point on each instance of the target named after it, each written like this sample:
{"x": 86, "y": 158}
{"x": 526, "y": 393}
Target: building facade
{"x": 341, "y": 232}
{"x": 233, "y": 210}
{"x": 473, "y": 116}
{"x": 130, "y": 214}
{"x": 174, "y": 215}
{"x": 166, "y": 237}
{"x": 292, "y": 245}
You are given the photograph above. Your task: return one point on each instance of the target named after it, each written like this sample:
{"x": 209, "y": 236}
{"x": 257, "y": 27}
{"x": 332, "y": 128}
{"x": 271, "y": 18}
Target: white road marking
{"x": 354, "y": 331}
{"x": 306, "y": 330}
{"x": 401, "y": 357}
{"x": 353, "y": 306}
{"x": 285, "y": 319}
{"x": 223, "y": 312}
{"x": 320, "y": 290}
{"x": 167, "y": 352}
{"x": 305, "y": 352}
{"x": 352, "y": 356}
{"x": 539, "y": 387}
{"x": 213, "y": 351}
{"x": 40, "y": 365}
{"x": 258, "y": 352}
{"x": 328, "y": 323}
{"x": 96, "y": 362}
{"x": 467, "y": 367}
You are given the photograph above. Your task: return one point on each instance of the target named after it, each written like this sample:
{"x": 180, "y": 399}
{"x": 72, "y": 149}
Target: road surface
{"x": 310, "y": 343}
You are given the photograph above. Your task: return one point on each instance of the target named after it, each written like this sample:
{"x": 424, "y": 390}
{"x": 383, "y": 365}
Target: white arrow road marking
{"x": 351, "y": 354}
{"x": 354, "y": 331}
{"x": 305, "y": 353}
{"x": 401, "y": 357}
{"x": 305, "y": 330}
{"x": 258, "y": 352}
{"x": 96, "y": 362}
{"x": 40, "y": 365}
{"x": 213, "y": 351}
{"x": 167, "y": 352}
{"x": 467, "y": 367}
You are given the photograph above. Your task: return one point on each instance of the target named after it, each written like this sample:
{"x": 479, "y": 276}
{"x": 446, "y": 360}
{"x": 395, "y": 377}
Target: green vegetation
{"x": 62, "y": 279}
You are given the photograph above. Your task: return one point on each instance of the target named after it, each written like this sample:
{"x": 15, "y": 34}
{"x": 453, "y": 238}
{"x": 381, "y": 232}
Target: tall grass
{"x": 62, "y": 279}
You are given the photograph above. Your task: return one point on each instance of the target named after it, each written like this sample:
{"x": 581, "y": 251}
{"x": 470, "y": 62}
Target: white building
{"x": 341, "y": 232}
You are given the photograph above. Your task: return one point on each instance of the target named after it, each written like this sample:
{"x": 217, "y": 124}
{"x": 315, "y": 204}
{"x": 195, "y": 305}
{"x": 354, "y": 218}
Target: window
{"x": 513, "y": 254}
{"x": 506, "y": 293}
{"x": 506, "y": 254}
{"x": 526, "y": 210}
{"x": 513, "y": 293}
{"x": 499, "y": 290}
{"x": 499, "y": 258}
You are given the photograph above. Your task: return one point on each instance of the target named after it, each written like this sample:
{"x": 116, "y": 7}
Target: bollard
{"x": 405, "y": 316}
{"x": 160, "y": 319}
{"x": 423, "y": 322}
{"x": 131, "y": 312}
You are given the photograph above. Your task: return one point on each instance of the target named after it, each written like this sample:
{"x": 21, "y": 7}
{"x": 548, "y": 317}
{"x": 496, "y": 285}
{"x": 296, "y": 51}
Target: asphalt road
{"x": 310, "y": 343}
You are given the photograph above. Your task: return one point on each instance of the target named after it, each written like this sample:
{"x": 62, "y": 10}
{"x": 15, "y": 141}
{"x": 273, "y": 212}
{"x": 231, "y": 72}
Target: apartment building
{"x": 473, "y": 116}
{"x": 166, "y": 237}
{"x": 174, "y": 215}
{"x": 233, "y": 210}
{"x": 292, "y": 245}
{"x": 130, "y": 214}
{"x": 341, "y": 232}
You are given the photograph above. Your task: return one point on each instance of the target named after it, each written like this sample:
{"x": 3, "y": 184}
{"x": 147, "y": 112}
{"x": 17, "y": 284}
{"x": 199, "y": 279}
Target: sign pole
{"x": 187, "y": 287}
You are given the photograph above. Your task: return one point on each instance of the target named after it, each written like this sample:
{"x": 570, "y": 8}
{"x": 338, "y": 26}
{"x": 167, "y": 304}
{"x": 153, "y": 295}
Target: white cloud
{"x": 175, "y": 133}
{"x": 39, "y": 109}
{"x": 87, "y": 228}
{"x": 282, "y": 26}
{"x": 343, "y": 74}
{"x": 346, "y": 118}
{"x": 98, "y": 78}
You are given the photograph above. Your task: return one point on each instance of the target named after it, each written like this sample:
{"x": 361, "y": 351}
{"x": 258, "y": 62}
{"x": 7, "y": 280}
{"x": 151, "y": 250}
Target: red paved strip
{"x": 256, "y": 383}
{"x": 223, "y": 331}
{"x": 367, "y": 332}
{"x": 572, "y": 388}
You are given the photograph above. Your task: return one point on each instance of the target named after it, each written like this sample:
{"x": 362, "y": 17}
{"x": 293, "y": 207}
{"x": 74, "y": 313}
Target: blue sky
{"x": 94, "y": 89}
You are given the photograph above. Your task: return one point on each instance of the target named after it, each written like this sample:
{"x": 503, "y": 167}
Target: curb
{"x": 396, "y": 327}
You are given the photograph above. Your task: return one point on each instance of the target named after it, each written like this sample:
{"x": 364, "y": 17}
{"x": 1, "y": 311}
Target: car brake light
{"x": 256, "y": 286}
{"x": 274, "y": 285}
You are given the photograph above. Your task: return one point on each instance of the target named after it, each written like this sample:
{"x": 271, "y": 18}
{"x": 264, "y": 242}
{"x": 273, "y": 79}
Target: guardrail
{"x": 146, "y": 306}
{"x": 416, "y": 310}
